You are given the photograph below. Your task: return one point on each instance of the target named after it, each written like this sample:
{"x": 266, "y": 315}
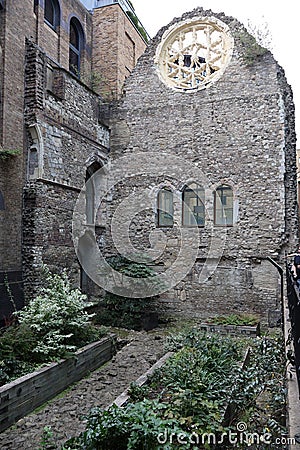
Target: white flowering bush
{"x": 57, "y": 318}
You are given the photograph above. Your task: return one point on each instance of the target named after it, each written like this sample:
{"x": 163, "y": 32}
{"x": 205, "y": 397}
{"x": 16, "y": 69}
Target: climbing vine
{"x": 6, "y": 154}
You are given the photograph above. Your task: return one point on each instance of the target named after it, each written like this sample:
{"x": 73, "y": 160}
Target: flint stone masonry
{"x": 238, "y": 131}
{"x": 52, "y": 119}
{"x": 70, "y": 138}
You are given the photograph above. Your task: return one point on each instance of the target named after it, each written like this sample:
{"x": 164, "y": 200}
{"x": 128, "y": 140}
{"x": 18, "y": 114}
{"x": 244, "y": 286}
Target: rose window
{"x": 194, "y": 53}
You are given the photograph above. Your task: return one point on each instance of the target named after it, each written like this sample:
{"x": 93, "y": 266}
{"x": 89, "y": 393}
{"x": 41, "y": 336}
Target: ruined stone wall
{"x": 70, "y": 139}
{"x": 237, "y": 131}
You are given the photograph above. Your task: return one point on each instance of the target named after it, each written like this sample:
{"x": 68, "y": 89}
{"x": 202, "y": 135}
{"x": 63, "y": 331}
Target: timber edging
{"x": 21, "y": 396}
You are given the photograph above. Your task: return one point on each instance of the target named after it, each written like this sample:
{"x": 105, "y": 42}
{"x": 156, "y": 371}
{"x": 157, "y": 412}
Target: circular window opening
{"x": 194, "y": 53}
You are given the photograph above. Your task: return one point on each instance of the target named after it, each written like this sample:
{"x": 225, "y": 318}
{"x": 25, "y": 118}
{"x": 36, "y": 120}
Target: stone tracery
{"x": 194, "y": 54}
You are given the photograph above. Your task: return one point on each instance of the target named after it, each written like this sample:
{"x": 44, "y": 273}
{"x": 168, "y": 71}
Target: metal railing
{"x": 293, "y": 296}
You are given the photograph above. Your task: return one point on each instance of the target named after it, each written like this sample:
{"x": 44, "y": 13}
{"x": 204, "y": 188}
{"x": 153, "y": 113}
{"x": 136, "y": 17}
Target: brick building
{"x": 52, "y": 71}
{"x": 197, "y": 146}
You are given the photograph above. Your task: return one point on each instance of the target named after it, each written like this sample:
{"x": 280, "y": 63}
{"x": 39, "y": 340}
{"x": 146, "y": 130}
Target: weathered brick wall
{"x": 15, "y": 16}
{"x": 238, "y": 131}
{"x": 116, "y": 48}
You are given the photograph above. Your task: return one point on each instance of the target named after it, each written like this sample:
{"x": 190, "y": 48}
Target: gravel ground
{"x": 64, "y": 413}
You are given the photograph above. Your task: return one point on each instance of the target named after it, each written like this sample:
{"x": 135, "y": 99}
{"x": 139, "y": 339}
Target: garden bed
{"x": 204, "y": 389}
{"x": 233, "y": 324}
{"x": 21, "y": 396}
{"x": 235, "y": 330}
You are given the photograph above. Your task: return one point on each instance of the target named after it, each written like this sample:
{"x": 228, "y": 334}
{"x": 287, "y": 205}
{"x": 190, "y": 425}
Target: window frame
{"x": 56, "y": 14}
{"x": 76, "y": 25}
{"x": 223, "y": 187}
{"x": 160, "y": 209}
{"x": 186, "y": 188}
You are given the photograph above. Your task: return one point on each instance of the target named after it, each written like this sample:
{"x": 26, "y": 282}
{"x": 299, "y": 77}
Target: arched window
{"x": 224, "y": 205}
{"x": 75, "y": 46}
{"x": 90, "y": 191}
{"x": 52, "y": 13}
{"x": 165, "y": 208}
{"x": 193, "y": 197}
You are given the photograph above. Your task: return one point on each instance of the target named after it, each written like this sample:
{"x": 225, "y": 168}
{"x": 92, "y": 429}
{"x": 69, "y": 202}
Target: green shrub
{"x": 235, "y": 319}
{"x": 122, "y": 311}
{"x": 57, "y": 318}
{"x": 134, "y": 427}
{"x": 201, "y": 389}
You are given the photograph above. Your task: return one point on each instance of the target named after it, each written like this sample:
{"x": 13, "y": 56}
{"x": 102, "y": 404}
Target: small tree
{"x": 57, "y": 318}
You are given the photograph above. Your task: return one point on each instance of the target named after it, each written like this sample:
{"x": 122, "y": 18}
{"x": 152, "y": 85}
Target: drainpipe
{"x": 280, "y": 270}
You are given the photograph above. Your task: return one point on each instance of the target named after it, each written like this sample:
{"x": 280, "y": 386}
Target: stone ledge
{"x": 231, "y": 329}
{"x": 122, "y": 399}
{"x": 21, "y": 396}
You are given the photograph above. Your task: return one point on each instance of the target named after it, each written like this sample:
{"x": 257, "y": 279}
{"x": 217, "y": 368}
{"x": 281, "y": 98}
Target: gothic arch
{"x": 35, "y": 153}
{"x": 94, "y": 184}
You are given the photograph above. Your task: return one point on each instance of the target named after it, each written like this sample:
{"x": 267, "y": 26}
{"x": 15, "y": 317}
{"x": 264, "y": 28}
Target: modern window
{"x": 52, "y": 13}
{"x": 75, "y": 47}
{"x": 224, "y": 205}
{"x": 193, "y": 198}
{"x": 165, "y": 208}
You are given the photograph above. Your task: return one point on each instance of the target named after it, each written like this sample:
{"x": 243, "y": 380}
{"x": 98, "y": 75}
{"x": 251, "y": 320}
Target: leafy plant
{"x": 234, "y": 319}
{"x": 137, "y": 392}
{"x": 8, "y": 153}
{"x": 137, "y": 24}
{"x": 122, "y": 311}
{"x": 201, "y": 389}
{"x": 51, "y": 326}
{"x": 58, "y": 318}
{"x": 134, "y": 427}
{"x": 47, "y": 440}
{"x": 251, "y": 49}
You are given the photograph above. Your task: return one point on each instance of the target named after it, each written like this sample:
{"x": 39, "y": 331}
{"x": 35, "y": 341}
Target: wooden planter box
{"x": 235, "y": 330}
{"x": 21, "y": 396}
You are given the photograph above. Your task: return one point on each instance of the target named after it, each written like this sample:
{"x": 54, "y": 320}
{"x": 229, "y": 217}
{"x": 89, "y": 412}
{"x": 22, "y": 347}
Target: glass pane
{"x": 74, "y": 62}
{"x": 74, "y": 36}
{"x": 165, "y": 208}
{"x": 49, "y": 12}
{"x": 224, "y": 206}
{"x": 193, "y": 205}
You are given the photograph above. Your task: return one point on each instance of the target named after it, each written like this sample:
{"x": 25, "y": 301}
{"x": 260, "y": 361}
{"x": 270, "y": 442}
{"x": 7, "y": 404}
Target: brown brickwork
{"x": 117, "y": 45}
{"x": 56, "y": 134}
